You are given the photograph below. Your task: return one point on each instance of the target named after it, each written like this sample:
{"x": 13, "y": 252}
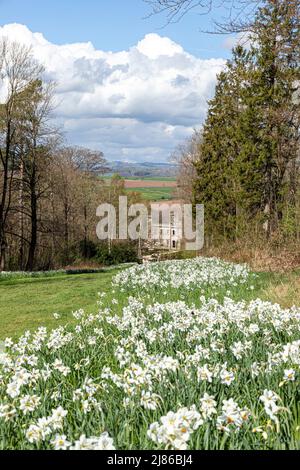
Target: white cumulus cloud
{"x": 136, "y": 104}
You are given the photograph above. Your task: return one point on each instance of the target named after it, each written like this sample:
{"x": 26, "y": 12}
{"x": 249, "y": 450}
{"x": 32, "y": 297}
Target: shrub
{"x": 118, "y": 254}
{"x": 87, "y": 249}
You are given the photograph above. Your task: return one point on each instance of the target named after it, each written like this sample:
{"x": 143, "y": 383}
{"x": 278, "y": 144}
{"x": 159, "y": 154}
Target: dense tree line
{"x": 49, "y": 192}
{"x": 247, "y": 158}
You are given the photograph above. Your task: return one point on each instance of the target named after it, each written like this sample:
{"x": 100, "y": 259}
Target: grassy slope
{"x": 154, "y": 194}
{"x": 30, "y": 303}
{"x": 283, "y": 289}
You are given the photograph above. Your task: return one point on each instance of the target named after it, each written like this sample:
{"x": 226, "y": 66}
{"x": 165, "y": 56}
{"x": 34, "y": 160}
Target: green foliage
{"x": 246, "y": 169}
{"x": 117, "y": 254}
{"x": 87, "y": 249}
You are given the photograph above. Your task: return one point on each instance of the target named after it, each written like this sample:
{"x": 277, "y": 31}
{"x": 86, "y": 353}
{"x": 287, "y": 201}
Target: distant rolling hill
{"x": 143, "y": 170}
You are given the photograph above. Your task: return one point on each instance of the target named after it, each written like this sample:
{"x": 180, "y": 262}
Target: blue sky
{"x": 109, "y": 24}
{"x": 125, "y": 85}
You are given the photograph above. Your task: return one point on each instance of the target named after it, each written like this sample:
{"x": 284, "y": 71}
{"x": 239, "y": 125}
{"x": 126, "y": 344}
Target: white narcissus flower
{"x": 13, "y": 389}
{"x": 60, "y": 442}
{"x": 44, "y": 426}
{"x": 289, "y": 375}
{"x": 204, "y": 374}
{"x": 149, "y": 400}
{"x": 82, "y": 444}
{"x": 59, "y": 413}
{"x": 29, "y": 403}
{"x": 175, "y": 429}
{"x": 232, "y": 417}
{"x": 59, "y": 365}
{"x": 104, "y": 442}
{"x": 269, "y": 399}
{"x": 227, "y": 377}
{"x": 33, "y": 434}
{"x": 8, "y": 343}
{"x": 57, "y": 417}
{"x": 208, "y": 406}
{"x": 7, "y": 413}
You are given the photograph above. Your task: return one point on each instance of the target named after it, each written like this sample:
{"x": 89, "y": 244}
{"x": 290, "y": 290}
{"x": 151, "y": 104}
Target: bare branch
{"x": 238, "y": 13}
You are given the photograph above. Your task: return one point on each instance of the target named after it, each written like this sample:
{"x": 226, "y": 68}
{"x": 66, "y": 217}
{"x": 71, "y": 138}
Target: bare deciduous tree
{"x": 37, "y": 135}
{"x": 17, "y": 70}
{"x": 185, "y": 156}
{"x": 87, "y": 160}
{"x": 237, "y": 14}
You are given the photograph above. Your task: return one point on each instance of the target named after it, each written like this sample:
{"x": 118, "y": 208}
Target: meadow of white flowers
{"x": 186, "y": 274}
{"x": 161, "y": 365}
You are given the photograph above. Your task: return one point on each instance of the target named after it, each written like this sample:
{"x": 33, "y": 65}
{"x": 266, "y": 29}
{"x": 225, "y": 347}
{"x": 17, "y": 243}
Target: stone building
{"x": 166, "y": 227}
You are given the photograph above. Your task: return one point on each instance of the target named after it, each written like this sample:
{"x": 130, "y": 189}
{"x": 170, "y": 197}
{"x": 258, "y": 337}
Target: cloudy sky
{"x": 124, "y": 85}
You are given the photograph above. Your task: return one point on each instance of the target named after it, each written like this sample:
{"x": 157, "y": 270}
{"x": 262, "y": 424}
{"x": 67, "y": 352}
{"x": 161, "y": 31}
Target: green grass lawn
{"x": 154, "y": 194}
{"x": 30, "y": 303}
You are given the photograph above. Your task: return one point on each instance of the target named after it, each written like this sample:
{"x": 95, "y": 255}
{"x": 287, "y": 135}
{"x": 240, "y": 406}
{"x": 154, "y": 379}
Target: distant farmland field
{"x": 167, "y": 179}
{"x": 154, "y": 194}
{"x": 135, "y": 184}
{"x": 151, "y": 188}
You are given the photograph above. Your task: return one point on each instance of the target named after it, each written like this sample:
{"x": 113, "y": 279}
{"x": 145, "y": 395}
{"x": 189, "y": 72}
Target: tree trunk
{"x": 4, "y": 196}
{"x": 33, "y": 238}
{"x": 85, "y": 231}
{"x": 66, "y": 231}
{"x": 21, "y": 219}
{"x": 2, "y": 254}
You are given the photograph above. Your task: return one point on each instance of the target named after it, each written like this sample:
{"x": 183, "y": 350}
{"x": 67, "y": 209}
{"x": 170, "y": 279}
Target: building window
{"x": 174, "y": 244}
{"x": 174, "y": 233}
